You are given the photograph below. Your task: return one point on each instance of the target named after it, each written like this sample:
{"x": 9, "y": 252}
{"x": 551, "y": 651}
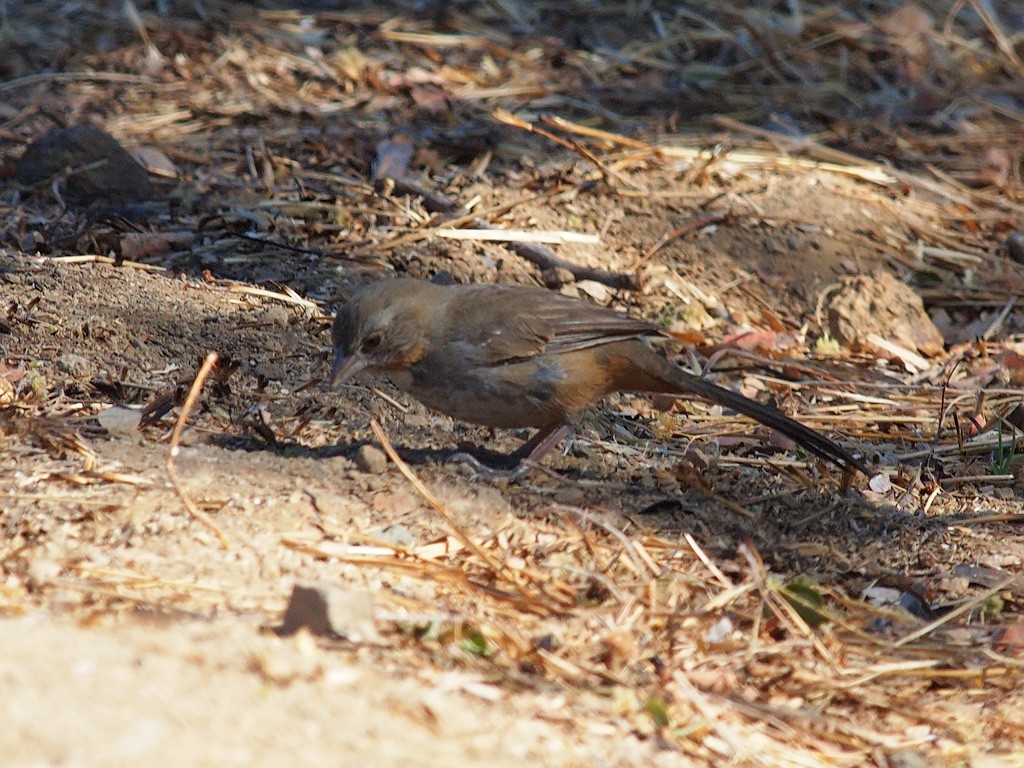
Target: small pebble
{"x": 396, "y": 534}
{"x": 277, "y": 315}
{"x": 271, "y": 371}
{"x": 371, "y": 460}
{"x": 595, "y": 290}
{"x": 570, "y": 495}
{"x": 1015, "y": 246}
{"x": 119, "y": 420}
{"x": 556, "y": 277}
{"x": 73, "y": 364}
{"x": 328, "y": 610}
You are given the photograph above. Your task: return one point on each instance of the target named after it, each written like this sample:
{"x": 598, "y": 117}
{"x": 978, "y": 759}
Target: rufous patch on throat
{"x": 407, "y": 360}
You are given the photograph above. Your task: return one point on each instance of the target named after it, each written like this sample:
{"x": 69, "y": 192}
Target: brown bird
{"x": 513, "y": 356}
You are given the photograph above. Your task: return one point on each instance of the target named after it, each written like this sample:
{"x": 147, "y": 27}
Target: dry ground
{"x": 677, "y": 590}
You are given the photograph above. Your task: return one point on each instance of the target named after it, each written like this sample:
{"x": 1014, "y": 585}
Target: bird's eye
{"x": 371, "y": 342}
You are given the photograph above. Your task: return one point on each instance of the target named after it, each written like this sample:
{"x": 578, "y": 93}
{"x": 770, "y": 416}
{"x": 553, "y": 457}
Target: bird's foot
{"x": 490, "y": 465}
{"x": 516, "y": 464}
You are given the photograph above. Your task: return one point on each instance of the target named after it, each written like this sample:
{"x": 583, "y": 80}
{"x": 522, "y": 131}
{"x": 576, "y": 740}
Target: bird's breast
{"x": 509, "y": 395}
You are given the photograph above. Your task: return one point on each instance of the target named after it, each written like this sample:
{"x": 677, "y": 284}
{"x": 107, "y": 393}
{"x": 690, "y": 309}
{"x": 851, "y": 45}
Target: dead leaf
{"x": 1009, "y": 639}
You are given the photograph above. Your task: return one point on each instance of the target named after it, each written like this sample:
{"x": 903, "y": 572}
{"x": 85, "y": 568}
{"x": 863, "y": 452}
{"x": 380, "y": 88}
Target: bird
{"x": 514, "y": 356}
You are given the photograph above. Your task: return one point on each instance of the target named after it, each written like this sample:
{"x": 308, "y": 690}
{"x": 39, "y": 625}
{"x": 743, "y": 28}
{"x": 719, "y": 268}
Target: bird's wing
{"x": 534, "y": 321}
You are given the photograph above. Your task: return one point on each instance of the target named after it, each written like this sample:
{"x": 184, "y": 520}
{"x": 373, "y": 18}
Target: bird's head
{"x": 381, "y": 328}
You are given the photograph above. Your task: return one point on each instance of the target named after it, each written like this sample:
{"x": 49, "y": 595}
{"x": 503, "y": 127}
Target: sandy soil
{"x": 632, "y": 612}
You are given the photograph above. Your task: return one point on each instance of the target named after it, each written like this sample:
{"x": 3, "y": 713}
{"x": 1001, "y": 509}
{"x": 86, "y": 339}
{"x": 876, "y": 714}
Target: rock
{"x": 72, "y": 364}
{"x": 1015, "y": 246}
{"x": 396, "y": 534}
{"x": 881, "y": 305}
{"x": 103, "y": 171}
{"x": 277, "y": 315}
{"x": 570, "y": 496}
{"x": 330, "y": 611}
{"x": 371, "y": 460}
{"x": 271, "y": 371}
{"x": 117, "y": 420}
{"x": 556, "y": 277}
{"x": 595, "y": 290}
{"x": 443, "y": 277}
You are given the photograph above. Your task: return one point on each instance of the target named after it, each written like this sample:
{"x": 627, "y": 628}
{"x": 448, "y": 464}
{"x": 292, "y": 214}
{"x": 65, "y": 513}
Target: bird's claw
{"x": 481, "y": 470}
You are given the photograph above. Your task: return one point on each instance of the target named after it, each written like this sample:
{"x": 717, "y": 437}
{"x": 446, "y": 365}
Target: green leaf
{"x": 658, "y": 711}
{"x": 805, "y": 599}
{"x": 474, "y": 642}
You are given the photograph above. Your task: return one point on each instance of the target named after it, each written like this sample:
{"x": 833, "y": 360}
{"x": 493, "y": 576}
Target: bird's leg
{"x": 518, "y": 462}
{"x": 543, "y": 440}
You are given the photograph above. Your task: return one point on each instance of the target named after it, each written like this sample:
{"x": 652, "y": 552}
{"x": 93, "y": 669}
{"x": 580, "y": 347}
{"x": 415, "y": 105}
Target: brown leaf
{"x": 1010, "y": 638}
{"x": 1012, "y": 365}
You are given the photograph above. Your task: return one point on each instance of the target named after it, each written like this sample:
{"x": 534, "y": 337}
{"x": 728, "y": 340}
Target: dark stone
{"x": 101, "y": 170}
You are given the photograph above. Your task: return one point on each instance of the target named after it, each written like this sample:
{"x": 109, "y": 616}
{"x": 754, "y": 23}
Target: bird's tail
{"x": 674, "y": 380}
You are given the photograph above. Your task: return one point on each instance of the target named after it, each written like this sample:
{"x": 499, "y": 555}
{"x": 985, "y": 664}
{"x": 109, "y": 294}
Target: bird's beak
{"x": 345, "y": 366}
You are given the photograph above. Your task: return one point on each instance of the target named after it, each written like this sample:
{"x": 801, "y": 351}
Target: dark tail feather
{"x": 812, "y": 440}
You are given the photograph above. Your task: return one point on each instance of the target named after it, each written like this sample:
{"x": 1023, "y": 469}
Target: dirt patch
{"x": 672, "y": 589}
{"x": 275, "y": 701}
{"x": 103, "y": 538}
